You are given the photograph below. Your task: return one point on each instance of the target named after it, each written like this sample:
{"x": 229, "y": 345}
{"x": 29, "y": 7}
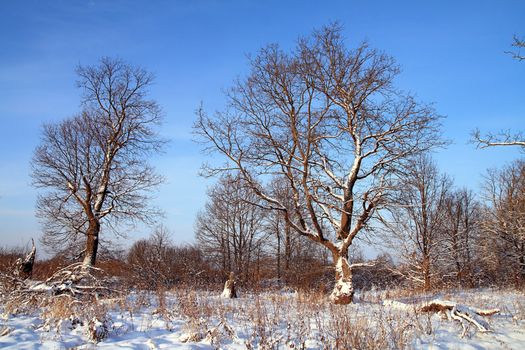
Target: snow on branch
{"x": 466, "y": 315}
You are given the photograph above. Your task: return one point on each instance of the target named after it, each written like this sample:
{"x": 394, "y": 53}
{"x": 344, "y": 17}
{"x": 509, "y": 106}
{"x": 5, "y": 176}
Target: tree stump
{"x": 229, "y": 288}
{"x": 24, "y": 268}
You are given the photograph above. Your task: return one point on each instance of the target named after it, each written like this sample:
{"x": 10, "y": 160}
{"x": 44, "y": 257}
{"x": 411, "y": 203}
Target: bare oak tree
{"x": 331, "y": 122}
{"x": 93, "y": 167}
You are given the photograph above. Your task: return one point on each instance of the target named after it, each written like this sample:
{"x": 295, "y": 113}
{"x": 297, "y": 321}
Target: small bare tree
{"x": 285, "y": 243}
{"x": 152, "y": 260}
{"x": 94, "y": 166}
{"x": 460, "y": 236}
{"x": 415, "y": 224}
{"x": 230, "y": 228}
{"x": 329, "y": 120}
{"x": 503, "y": 221}
{"x": 292, "y": 253}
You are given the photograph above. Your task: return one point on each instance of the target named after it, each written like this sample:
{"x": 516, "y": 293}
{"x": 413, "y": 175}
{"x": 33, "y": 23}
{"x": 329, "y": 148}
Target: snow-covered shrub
{"x": 197, "y": 313}
{"x": 63, "y": 313}
{"x": 99, "y": 328}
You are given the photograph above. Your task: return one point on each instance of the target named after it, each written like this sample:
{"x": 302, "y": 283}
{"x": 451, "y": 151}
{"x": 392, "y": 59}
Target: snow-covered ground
{"x": 201, "y": 320}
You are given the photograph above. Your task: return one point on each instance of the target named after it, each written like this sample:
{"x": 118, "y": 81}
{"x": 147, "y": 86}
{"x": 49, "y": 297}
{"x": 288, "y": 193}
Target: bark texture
{"x": 343, "y": 292}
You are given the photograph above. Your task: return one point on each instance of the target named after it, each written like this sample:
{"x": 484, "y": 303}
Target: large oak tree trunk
{"x": 92, "y": 243}
{"x": 343, "y": 292}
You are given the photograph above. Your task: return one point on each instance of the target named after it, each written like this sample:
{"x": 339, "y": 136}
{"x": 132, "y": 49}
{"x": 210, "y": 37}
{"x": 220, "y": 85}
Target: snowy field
{"x": 199, "y": 320}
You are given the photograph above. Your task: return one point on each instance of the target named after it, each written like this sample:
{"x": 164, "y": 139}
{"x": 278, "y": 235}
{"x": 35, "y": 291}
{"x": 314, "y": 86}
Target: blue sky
{"x": 452, "y": 53}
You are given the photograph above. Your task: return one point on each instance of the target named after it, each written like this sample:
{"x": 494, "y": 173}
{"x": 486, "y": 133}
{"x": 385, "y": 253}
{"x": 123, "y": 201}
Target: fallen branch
{"x": 363, "y": 264}
{"x": 466, "y": 315}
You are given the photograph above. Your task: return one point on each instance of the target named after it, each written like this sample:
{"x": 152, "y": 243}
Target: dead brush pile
{"x": 69, "y": 298}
